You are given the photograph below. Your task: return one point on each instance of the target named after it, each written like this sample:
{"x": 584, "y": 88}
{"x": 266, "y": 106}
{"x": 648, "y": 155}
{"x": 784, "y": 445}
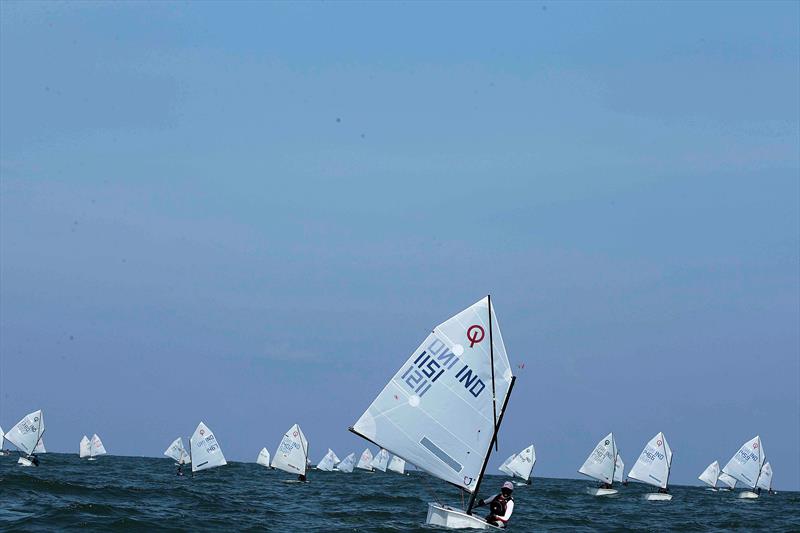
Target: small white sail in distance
{"x": 765, "y": 479}
{"x": 746, "y": 463}
{"x": 206, "y": 451}
{"x": 619, "y": 469}
{"x": 397, "y": 465}
{"x": 601, "y": 463}
{"x": 727, "y": 480}
{"x": 2, "y": 437}
{"x": 40, "y": 447}
{"x": 26, "y": 433}
{"x": 522, "y": 463}
{"x": 653, "y": 465}
{"x": 347, "y": 464}
{"x": 263, "y": 457}
{"x": 438, "y": 411}
{"x": 710, "y": 475}
{"x": 328, "y": 461}
{"x": 97, "y": 447}
{"x": 365, "y": 461}
{"x": 85, "y": 447}
{"x": 381, "y": 460}
{"x": 177, "y": 452}
{"x": 504, "y": 467}
{"x": 292, "y": 453}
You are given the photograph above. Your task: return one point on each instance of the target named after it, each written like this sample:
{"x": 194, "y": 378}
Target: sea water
{"x": 144, "y": 494}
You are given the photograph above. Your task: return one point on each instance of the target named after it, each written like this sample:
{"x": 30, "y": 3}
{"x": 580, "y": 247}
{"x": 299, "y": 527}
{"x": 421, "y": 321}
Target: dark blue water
{"x": 143, "y": 494}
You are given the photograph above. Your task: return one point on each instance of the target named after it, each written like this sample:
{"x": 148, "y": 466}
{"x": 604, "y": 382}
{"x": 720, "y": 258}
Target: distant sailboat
{"x": 653, "y": 467}
{"x": 397, "y": 465}
{"x": 380, "y": 461}
{"x": 521, "y": 464}
{"x": 292, "y": 453}
{"x": 443, "y": 408}
{"x": 329, "y": 462}
{"x": 601, "y": 465}
{"x": 347, "y": 464}
{"x": 365, "y": 462}
{"x": 619, "y": 469}
{"x": 2, "y": 438}
{"x": 205, "y": 450}
{"x": 263, "y": 458}
{"x": 504, "y": 467}
{"x": 710, "y": 475}
{"x": 745, "y": 465}
{"x": 40, "y": 447}
{"x": 765, "y": 479}
{"x": 25, "y": 435}
{"x": 727, "y": 480}
{"x": 97, "y": 449}
{"x": 176, "y": 452}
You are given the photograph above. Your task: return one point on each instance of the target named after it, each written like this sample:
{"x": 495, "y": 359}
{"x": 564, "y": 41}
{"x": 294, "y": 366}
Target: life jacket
{"x": 499, "y": 504}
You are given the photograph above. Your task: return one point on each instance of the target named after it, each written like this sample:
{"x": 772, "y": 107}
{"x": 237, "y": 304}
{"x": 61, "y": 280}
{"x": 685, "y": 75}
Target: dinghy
{"x": 521, "y": 464}
{"x": 504, "y": 467}
{"x": 96, "y": 449}
{"x": 347, "y": 464}
{"x": 365, "y": 462}
{"x": 601, "y": 465}
{"x": 765, "y": 478}
{"x": 205, "y": 450}
{"x": 710, "y": 475}
{"x": 292, "y": 453}
{"x": 263, "y": 458}
{"x": 2, "y": 438}
{"x": 653, "y": 467}
{"x": 727, "y": 480}
{"x": 397, "y": 465}
{"x": 619, "y": 469}
{"x": 381, "y": 460}
{"x": 176, "y": 452}
{"x": 329, "y": 462}
{"x": 746, "y": 464}
{"x": 443, "y": 408}
{"x": 25, "y": 435}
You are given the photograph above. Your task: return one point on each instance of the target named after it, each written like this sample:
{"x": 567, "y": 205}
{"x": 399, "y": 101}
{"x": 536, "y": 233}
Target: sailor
{"x": 180, "y": 470}
{"x": 34, "y": 459}
{"x": 301, "y": 478}
{"x": 663, "y": 490}
{"x": 501, "y": 506}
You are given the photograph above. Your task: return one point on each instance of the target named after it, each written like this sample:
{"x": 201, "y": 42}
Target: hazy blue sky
{"x": 251, "y": 214}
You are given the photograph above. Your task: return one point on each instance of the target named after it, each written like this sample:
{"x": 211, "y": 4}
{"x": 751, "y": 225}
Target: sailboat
{"x": 91, "y": 448}
{"x": 263, "y": 458}
{"x": 521, "y": 464}
{"x": 25, "y": 435}
{"x": 765, "y": 479}
{"x": 397, "y": 465}
{"x": 292, "y": 453}
{"x": 40, "y": 447}
{"x": 365, "y": 462}
{"x": 176, "y": 452}
{"x": 727, "y": 480}
{"x": 619, "y": 469}
{"x": 443, "y": 408}
{"x": 653, "y": 467}
{"x": 2, "y": 438}
{"x": 205, "y": 450}
{"x": 347, "y": 464}
{"x": 710, "y": 476}
{"x": 745, "y": 465}
{"x": 329, "y": 462}
{"x": 381, "y": 460}
{"x": 601, "y": 465}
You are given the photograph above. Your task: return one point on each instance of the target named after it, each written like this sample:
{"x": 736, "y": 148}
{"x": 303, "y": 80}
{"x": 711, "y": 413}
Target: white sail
{"x": 206, "y": 451}
{"x": 654, "y": 463}
{"x": 397, "y": 465}
{"x": 263, "y": 457}
{"x": 40, "y": 447}
{"x": 347, "y": 464}
{"x": 85, "y": 447}
{"x": 765, "y": 479}
{"x": 97, "y": 447}
{"x": 380, "y": 461}
{"x": 292, "y": 453}
{"x": 26, "y": 433}
{"x": 438, "y": 410}
{"x": 504, "y": 467}
{"x": 177, "y": 452}
{"x": 328, "y": 462}
{"x": 619, "y": 469}
{"x": 522, "y": 463}
{"x": 747, "y": 462}
{"x": 601, "y": 463}
{"x": 2, "y": 437}
{"x": 710, "y": 475}
{"x": 365, "y": 461}
{"x": 727, "y": 480}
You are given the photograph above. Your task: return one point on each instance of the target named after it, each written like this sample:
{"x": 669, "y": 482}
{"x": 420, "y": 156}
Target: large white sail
{"x": 26, "y": 433}
{"x": 654, "y": 463}
{"x": 40, "y": 447}
{"x": 522, "y": 463}
{"x": 365, "y": 461}
{"x": 397, "y": 465}
{"x": 747, "y": 462}
{"x": 328, "y": 462}
{"x": 601, "y": 463}
{"x": 619, "y": 469}
{"x": 727, "y": 480}
{"x": 504, "y": 467}
{"x": 381, "y": 460}
{"x": 177, "y": 452}
{"x": 97, "y": 447}
{"x": 347, "y": 464}
{"x": 765, "y": 479}
{"x": 85, "y": 447}
{"x": 710, "y": 475}
{"x": 438, "y": 411}
{"x": 263, "y": 457}
{"x": 206, "y": 452}
{"x": 292, "y": 454}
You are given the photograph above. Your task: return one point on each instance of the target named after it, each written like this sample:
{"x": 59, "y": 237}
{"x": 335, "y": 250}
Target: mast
{"x": 493, "y": 441}
{"x": 491, "y": 358}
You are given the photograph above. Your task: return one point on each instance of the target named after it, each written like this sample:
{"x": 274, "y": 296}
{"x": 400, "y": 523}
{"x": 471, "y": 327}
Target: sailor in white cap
{"x": 501, "y": 506}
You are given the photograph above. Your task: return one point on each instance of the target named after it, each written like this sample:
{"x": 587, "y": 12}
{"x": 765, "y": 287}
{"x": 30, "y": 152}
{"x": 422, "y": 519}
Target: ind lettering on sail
{"x": 438, "y": 411}
{"x": 746, "y": 463}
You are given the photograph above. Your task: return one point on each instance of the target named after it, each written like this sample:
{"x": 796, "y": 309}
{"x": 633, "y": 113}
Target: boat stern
{"x": 443, "y": 516}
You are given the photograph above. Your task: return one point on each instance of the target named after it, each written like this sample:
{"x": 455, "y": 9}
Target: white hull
{"x": 658, "y": 497}
{"x": 712, "y": 489}
{"x": 748, "y": 495}
{"x": 91, "y": 459}
{"x": 24, "y": 462}
{"x": 596, "y": 491}
{"x": 443, "y": 516}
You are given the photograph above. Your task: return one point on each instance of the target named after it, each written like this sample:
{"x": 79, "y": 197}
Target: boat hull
{"x": 443, "y": 516}
{"x": 23, "y": 461}
{"x": 658, "y": 497}
{"x": 91, "y": 459}
{"x": 748, "y": 495}
{"x": 596, "y": 491}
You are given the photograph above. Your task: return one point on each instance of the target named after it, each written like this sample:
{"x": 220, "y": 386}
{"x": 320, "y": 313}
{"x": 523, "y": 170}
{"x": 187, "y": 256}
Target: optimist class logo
{"x": 475, "y": 334}
{"x": 202, "y": 432}
{"x": 659, "y": 443}
{"x": 755, "y": 445}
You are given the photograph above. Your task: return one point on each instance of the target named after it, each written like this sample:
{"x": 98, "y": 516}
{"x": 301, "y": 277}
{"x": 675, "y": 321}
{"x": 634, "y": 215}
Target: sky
{"x": 251, "y": 214}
